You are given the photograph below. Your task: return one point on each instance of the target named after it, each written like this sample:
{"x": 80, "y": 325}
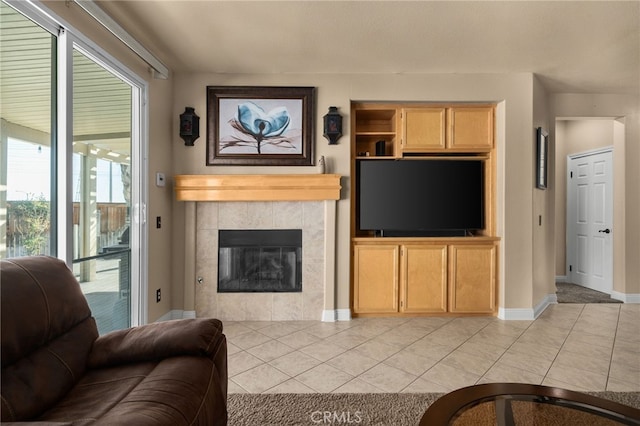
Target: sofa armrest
{"x": 156, "y": 341}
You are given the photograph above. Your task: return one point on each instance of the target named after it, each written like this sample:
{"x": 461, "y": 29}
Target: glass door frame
{"x": 69, "y": 39}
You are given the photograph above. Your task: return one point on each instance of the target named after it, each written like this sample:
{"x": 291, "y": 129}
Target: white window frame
{"x": 68, "y": 39}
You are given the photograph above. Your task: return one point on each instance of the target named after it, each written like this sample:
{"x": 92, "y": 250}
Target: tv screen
{"x": 420, "y": 197}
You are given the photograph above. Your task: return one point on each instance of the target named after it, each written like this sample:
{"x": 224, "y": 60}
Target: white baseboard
{"x": 549, "y": 299}
{"x": 328, "y": 315}
{"x": 515, "y": 314}
{"x": 176, "y": 314}
{"x": 527, "y": 314}
{"x": 336, "y": 315}
{"x": 562, "y": 279}
{"x": 343, "y": 314}
{"x": 626, "y": 297}
{"x": 166, "y": 317}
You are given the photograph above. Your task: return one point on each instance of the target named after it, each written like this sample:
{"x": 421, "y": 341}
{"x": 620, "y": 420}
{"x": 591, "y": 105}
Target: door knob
{"x": 606, "y": 231}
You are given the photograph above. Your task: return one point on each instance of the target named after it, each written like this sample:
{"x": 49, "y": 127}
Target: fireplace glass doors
{"x": 260, "y": 261}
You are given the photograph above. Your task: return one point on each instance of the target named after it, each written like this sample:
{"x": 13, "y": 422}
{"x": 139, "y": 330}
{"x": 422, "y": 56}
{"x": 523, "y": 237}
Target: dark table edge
{"x": 443, "y": 410}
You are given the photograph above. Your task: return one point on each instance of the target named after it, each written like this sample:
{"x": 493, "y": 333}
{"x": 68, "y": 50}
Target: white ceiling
{"x": 573, "y": 46}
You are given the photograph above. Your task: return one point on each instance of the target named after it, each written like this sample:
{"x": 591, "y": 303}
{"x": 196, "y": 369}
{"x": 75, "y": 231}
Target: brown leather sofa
{"x": 56, "y": 370}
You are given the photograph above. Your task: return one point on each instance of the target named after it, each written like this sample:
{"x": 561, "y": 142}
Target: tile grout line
{"x": 613, "y": 346}
{"x": 377, "y": 362}
{"x": 505, "y": 351}
{"x": 563, "y": 343}
{"x": 325, "y": 361}
{"x": 443, "y": 357}
{"x": 582, "y": 311}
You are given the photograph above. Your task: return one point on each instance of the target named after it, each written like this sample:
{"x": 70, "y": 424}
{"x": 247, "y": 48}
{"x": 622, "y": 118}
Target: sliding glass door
{"x": 71, "y": 162}
{"x": 101, "y": 175}
{"x": 27, "y": 115}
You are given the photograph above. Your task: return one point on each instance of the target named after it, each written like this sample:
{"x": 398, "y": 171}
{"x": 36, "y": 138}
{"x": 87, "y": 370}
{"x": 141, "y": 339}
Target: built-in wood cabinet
{"x": 408, "y": 130}
{"x": 418, "y": 275}
{"x": 376, "y": 268}
{"x": 447, "y": 129}
{"x": 424, "y": 130}
{"x": 470, "y": 128}
{"x": 472, "y": 278}
{"x": 424, "y": 276}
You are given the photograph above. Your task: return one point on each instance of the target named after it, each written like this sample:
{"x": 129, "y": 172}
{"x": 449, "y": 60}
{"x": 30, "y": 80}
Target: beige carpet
{"x": 348, "y": 409}
{"x": 573, "y": 293}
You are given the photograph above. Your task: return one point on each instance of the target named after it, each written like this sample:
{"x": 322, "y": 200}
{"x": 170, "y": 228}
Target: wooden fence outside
{"x": 112, "y": 219}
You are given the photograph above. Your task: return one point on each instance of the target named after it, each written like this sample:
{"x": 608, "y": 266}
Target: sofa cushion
{"x": 38, "y": 380}
{"x": 47, "y": 334}
{"x": 175, "y": 391}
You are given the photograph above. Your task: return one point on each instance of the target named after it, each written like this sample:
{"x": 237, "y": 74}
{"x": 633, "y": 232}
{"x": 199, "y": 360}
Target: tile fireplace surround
{"x": 214, "y": 202}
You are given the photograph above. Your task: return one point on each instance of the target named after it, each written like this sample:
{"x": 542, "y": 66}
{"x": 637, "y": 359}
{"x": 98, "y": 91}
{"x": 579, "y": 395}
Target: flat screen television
{"x": 420, "y": 197}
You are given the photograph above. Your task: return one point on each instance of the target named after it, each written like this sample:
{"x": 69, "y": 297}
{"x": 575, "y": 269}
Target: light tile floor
{"x": 584, "y": 347}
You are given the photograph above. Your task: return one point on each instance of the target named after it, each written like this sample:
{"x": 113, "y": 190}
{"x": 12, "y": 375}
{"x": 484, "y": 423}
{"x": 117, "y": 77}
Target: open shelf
{"x": 376, "y": 121}
{"x": 374, "y": 124}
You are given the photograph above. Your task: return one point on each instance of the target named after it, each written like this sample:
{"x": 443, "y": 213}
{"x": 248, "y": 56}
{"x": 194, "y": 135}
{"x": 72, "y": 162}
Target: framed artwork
{"x": 542, "y": 154}
{"x": 260, "y": 126}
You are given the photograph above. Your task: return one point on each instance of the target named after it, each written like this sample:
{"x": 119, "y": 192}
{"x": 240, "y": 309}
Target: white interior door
{"x": 590, "y": 220}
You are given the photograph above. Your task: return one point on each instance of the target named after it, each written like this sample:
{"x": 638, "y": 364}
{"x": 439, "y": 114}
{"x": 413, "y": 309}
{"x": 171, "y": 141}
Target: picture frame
{"x": 260, "y": 126}
{"x": 542, "y": 155}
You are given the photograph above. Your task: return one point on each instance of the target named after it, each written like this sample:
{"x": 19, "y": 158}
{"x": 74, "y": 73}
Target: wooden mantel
{"x": 257, "y": 187}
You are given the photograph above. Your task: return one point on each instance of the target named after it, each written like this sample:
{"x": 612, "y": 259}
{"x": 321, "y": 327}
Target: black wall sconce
{"x": 189, "y": 126}
{"x": 332, "y": 125}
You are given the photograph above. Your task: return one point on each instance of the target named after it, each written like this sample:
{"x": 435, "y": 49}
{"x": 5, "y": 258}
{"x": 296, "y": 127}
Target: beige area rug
{"x": 384, "y": 409}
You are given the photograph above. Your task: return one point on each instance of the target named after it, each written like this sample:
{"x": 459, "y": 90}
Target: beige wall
{"x": 543, "y": 222}
{"x": 513, "y": 92}
{"x": 160, "y": 200}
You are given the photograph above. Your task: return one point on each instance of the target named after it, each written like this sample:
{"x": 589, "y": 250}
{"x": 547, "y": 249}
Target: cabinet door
{"x": 375, "y": 288}
{"x": 472, "y": 278}
{"x": 470, "y": 128}
{"x": 424, "y": 279}
{"x": 424, "y": 129}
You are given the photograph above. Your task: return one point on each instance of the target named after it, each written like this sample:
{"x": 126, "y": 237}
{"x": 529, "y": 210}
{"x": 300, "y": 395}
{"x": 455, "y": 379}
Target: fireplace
{"x": 217, "y": 203}
{"x": 260, "y": 260}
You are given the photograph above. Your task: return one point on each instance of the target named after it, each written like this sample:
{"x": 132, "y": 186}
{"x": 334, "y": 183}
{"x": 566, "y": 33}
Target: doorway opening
{"x": 587, "y": 203}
